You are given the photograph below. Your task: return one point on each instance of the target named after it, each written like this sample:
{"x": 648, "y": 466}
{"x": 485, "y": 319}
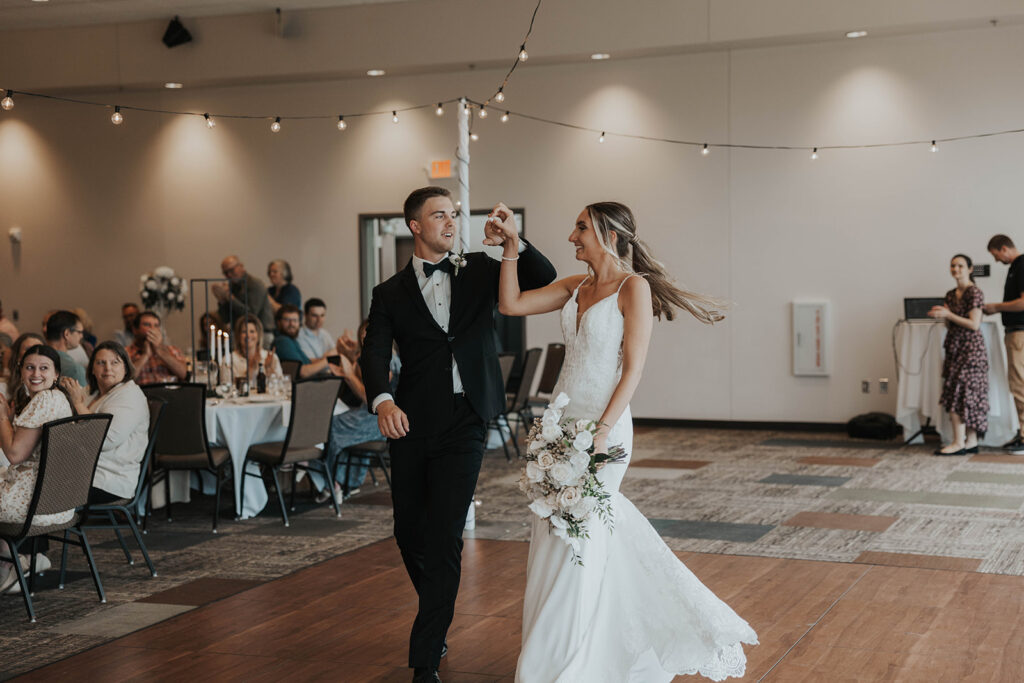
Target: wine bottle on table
{"x": 261, "y": 380}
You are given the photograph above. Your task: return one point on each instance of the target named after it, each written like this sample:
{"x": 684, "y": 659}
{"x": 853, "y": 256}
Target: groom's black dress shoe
{"x": 421, "y": 675}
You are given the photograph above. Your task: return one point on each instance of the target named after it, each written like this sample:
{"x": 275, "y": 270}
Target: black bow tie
{"x": 444, "y": 265}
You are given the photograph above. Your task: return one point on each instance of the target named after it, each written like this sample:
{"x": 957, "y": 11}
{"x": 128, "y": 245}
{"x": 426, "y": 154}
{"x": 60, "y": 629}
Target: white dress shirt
{"x": 437, "y": 294}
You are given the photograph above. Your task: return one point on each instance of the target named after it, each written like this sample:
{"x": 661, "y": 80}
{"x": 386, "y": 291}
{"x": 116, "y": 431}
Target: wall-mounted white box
{"x": 812, "y": 336}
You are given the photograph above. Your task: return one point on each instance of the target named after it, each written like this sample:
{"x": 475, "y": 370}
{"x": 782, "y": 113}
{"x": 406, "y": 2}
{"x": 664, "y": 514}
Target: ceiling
{"x": 27, "y": 14}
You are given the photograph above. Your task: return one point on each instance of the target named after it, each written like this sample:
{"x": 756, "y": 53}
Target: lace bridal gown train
{"x": 633, "y": 612}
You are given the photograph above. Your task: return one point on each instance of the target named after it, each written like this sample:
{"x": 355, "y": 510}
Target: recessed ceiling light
{"x": 40, "y": 0}
{"x": 375, "y": 72}
{"x": 600, "y": 55}
{"x": 856, "y": 34}
{"x": 173, "y": 86}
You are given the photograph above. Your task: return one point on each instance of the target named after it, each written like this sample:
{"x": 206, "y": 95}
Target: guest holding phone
{"x": 965, "y": 370}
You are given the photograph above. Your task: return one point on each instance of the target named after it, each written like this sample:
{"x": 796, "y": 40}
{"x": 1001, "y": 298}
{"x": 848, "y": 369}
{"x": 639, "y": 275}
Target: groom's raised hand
{"x": 391, "y": 420}
{"x": 496, "y": 229}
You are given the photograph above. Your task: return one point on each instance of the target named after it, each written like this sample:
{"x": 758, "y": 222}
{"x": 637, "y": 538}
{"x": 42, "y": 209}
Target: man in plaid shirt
{"x": 155, "y": 362}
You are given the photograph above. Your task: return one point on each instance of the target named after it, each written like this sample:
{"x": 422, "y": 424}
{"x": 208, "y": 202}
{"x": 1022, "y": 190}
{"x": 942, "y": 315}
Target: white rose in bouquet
{"x": 563, "y": 474}
{"x": 569, "y": 497}
{"x": 541, "y": 508}
{"x": 551, "y": 417}
{"x": 534, "y": 473}
{"x": 584, "y": 507}
{"x": 536, "y": 445}
{"x": 561, "y": 401}
{"x": 551, "y": 432}
{"x": 583, "y": 425}
{"x": 545, "y": 461}
{"x": 580, "y": 461}
{"x": 559, "y": 524}
{"x": 583, "y": 441}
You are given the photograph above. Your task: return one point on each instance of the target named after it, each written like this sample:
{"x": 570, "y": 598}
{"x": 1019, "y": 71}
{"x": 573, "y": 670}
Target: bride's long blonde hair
{"x": 634, "y": 256}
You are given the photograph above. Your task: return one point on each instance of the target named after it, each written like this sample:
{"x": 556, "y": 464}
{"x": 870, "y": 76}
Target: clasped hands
{"x": 500, "y": 228}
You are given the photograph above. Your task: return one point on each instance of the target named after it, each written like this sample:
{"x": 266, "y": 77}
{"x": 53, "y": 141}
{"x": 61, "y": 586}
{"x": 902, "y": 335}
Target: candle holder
{"x": 220, "y": 370}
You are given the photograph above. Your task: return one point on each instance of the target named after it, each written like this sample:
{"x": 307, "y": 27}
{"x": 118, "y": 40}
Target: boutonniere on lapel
{"x": 459, "y": 261}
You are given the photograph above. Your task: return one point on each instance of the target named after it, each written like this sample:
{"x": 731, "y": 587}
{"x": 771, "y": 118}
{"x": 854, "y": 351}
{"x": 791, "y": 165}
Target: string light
{"x": 935, "y": 148}
{"x": 474, "y": 137}
{"x": 465, "y": 108}
{"x": 500, "y": 97}
{"x": 601, "y": 139}
{"x": 504, "y": 117}
{"x": 8, "y": 102}
{"x": 483, "y": 112}
{"x": 275, "y": 127}
{"x": 523, "y": 55}
{"x": 814, "y": 154}
{"x": 341, "y": 122}
{"x": 394, "y": 116}
{"x": 210, "y": 123}
{"x": 705, "y": 151}
{"x": 440, "y": 110}
{"x": 116, "y": 118}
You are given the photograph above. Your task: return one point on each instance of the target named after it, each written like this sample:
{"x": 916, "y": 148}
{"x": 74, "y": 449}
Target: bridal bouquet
{"x": 560, "y": 477}
{"x": 163, "y": 290}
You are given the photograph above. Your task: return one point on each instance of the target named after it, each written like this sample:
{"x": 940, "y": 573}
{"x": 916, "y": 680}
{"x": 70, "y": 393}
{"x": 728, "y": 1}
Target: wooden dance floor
{"x": 347, "y": 619}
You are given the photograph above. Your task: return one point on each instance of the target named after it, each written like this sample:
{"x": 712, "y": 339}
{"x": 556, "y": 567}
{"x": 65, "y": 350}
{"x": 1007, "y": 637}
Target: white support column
{"x": 462, "y": 155}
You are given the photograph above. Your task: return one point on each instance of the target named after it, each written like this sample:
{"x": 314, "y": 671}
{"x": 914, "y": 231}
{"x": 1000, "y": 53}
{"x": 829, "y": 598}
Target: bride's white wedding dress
{"x": 633, "y": 611}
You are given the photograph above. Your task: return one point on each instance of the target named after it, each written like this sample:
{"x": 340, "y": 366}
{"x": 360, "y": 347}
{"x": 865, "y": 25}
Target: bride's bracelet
{"x": 510, "y": 258}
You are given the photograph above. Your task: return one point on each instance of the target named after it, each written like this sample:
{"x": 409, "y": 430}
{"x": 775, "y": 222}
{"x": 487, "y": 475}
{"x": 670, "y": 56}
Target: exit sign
{"x": 441, "y": 169}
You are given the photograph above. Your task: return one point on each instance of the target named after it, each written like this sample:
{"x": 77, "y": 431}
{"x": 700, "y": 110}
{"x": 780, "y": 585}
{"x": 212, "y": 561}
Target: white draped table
{"x": 237, "y": 424}
{"x": 919, "y": 378}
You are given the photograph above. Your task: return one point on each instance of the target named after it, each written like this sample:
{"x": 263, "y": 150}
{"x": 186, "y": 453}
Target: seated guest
{"x": 249, "y": 353}
{"x": 6, "y": 326}
{"x": 64, "y": 333}
{"x": 5, "y": 362}
{"x": 126, "y": 335}
{"x": 965, "y": 368}
{"x": 155, "y": 361}
{"x": 287, "y": 346}
{"x": 314, "y": 340}
{"x": 18, "y": 349}
{"x": 113, "y": 391}
{"x": 206, "y": 321}
{"x": 242, "y": 295}
{"x": 88, "y": 338}
{"x": 41, "y": 401}
{"x": 353, "y": 427}
{"x": 281, "y": 290}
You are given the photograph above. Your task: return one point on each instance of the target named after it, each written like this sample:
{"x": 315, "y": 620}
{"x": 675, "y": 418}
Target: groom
{"x": 440, "y": 311}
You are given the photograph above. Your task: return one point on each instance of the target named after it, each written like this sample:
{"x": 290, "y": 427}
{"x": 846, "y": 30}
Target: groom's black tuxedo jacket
{"x": 398, "y": 313}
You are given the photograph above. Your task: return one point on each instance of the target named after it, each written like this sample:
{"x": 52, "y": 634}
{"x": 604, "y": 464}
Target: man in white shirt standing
{"x": 313, "y": 339}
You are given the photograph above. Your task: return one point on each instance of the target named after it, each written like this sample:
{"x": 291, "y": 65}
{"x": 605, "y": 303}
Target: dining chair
{"x": 69, "y": 450}
{"x": 507, "y": 361}
{"x": 553, "y": 359}
{"x": 181, "y": 441}
{"x": 369, "y": 453}
{"x": 128, "y": 507}
{"x": 520, "y": 407}
{"x": 307, "y": 439}
{"x": 290, "y": 369}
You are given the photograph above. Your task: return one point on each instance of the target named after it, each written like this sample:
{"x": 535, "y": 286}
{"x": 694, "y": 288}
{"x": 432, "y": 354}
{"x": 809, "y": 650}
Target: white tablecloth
{"x": 919, "y": 378}
{"x": 237, "y": 424}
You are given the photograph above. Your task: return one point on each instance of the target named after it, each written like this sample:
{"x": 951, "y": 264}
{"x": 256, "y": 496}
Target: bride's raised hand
{"x": 500, "y": 227}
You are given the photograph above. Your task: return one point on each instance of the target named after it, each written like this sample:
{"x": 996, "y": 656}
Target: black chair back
{"x": 156, "y": 412}
{"x": 530, "y": 365}
{"x": 183, "y": 424}
{"x": 313, "y": 402}
{"x": 552, "y": 367}
{"x": 69, "y": 451}
{"x": 290, "y": 368}
{"x": 506, "y": 360}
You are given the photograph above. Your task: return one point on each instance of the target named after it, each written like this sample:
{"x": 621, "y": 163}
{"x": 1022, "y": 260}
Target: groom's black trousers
{"x": 432, "y": 484}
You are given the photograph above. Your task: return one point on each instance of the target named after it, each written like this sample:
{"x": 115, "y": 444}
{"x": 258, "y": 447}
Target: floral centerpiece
{"x": 560, "y": 476}
{"x": 162, "y": 290}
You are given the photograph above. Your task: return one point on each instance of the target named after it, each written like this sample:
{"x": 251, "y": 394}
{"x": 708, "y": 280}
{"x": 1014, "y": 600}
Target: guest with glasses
{"x": 241, "y": 295}
{"x": 64, "y": 333}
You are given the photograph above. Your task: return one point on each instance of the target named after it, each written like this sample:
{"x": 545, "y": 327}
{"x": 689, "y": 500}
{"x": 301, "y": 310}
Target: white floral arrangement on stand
{"x": 162, "y": 290}
{"x": 560, "y": 476}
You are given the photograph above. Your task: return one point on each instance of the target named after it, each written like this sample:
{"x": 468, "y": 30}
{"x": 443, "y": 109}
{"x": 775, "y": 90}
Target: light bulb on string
{"x": 523, "y": 55}
{"x": 935, "y": 147}
{"x": 465, "y": 108}
{"x": 210, "y": 123}
{"x": 275, "y": 127}
{"x": 474, "y": 137}
{"x": 504, "y": 117}
{"x": 601, "y": 139}
{"x": 8, "y": 102}
{"x": 341, "y": 122}
{"x": 117, "y": 118}
{"x": 394, "y": 117}
{"x": 500, "y": 97}
{"x": 705, "y": 151}
{"x": 483, "y": 112}
{"x": 814, "y": 154}
{"x": 440, "y": 110}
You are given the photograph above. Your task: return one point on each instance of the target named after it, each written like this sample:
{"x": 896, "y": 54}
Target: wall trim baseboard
{"x": 741, "y": 424}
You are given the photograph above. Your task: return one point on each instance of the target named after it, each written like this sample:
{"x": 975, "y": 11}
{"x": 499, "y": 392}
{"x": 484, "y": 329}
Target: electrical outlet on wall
{"x": 865, "y": 386}
{"x": 883, "y": 385}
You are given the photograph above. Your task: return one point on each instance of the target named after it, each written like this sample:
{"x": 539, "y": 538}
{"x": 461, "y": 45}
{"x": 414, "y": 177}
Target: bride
{"x": 633, "y": 611}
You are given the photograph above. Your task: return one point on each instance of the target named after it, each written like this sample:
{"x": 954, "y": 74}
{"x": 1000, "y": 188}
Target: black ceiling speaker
{"x": 176, "y": 34}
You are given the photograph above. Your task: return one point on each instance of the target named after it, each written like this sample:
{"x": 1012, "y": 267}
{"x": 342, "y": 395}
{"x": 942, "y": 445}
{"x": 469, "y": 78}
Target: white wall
{"x": 99, "y": 205}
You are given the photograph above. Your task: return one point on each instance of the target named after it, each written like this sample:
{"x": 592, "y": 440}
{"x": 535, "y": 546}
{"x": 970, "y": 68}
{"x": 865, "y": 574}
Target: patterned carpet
{"x": 762, "y": 493}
